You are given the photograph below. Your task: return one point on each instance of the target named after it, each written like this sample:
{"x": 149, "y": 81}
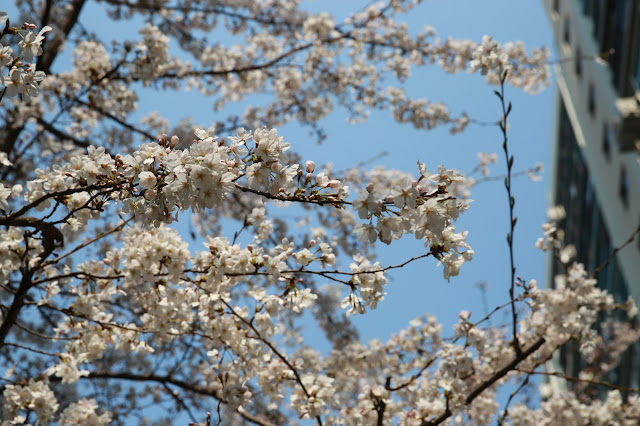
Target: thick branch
{"x": 51, "y": 236}
{"x": 18, "y": 302}
{"x": 521, "y": 356}
{"x": 52, "y": 47}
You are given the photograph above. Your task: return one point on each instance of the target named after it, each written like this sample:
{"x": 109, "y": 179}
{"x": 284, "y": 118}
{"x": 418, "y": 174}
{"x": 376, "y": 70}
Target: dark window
{"x": 635, "y": 81}
{"x": 638, "y": 244}
{"x": 606, "y": 141}
{"x": 592, "y": 100}
{"x": 567, "y": 31}
{"x": 556, "y": 5}
{"x": 623, "y": 191}
{"x": 578, "y": 62}
{"x": 613, "y": 36}
{"x": 595, "y": 18}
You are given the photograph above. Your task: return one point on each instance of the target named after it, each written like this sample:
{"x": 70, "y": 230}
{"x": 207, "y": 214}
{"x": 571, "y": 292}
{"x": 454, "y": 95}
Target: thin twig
{"x": 505, "y": 412}
{"x": 506, "y": 109}
{"x": 275, "y": 351}
{"x": 577, "y": 379}
{"x": 615, "y": 251}
{"x": 91, "y": 241}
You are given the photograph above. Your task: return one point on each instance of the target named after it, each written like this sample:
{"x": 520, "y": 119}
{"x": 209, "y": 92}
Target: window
{"x": 578, "y": 62}
{"x": 592, "y": 100}
{"x": 638, "y": 245}
{"x": 556, "y": 6}
{"x": 606, "y": 141}
{"x": 635, "y": 81}
{"x": 623, "y": 191}
{"x": 567, "y": 31}
{"x": 595, "y": 18}
{"x": 615, "y": 21}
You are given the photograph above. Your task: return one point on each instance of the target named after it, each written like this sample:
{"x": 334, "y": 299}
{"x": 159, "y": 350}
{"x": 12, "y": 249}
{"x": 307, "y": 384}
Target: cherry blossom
{"x": 100, "y": 289}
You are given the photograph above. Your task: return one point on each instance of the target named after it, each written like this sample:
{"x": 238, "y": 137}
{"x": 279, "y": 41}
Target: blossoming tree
{"x": 104, "y": 309}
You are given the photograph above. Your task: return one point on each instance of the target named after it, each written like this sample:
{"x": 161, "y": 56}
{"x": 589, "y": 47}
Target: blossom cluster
{"x": 422, "y": 207}
{"x": 22, "y": 77}
{"x": 241, "y": 297}
{"x": 37, "y": 397}
{"x": 101, "y": 289}
{"x": 308, "y": 62}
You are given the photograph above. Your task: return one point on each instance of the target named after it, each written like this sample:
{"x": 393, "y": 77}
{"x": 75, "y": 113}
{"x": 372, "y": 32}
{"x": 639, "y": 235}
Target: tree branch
{"x": 200, "y": 390}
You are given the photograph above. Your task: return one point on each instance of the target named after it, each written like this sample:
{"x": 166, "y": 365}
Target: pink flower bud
{"x": 174, "y": 141}
{"x": 311, "y": 166}
{"x": 322, "y": 179}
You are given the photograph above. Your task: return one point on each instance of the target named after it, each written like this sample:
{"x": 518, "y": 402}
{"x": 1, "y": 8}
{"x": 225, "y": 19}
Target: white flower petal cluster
{"x": 569, "y": 309}
{"x": 489, "y": 56}
{"x": 223, "y": 326}
{"x": 569, "y": 410}
{"x": 35, "y": 396}
{"x": 423, "y": 207}
{"x": 22, "y": 81}
{"x": 152, "y": 54}
{"x": 11, "y": 240}
{"x": 22, "y": 78}
{"x": 31, "y": 44}
{"x": 85, "y": 412}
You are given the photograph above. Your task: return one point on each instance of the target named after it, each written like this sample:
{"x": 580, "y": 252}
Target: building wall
{"x": 589, "y": 92}
{"x": 595, "y": 161}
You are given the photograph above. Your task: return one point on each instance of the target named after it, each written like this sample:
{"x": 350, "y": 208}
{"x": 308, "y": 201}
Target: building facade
{"x": 595, "y": 155}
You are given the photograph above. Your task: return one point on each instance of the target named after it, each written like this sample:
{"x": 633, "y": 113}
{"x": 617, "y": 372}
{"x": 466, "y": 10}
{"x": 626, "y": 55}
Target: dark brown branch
{"x": 46, "y": 13}
{"x": 116, "y": 119}
{"x": 521, "y": 356}
{"x": 615, "y": 251}
{"x": 62, "y": 135}
{"x": 8, "y": 219}
{"x": 273, "y": 349}
{"x": 51, "y": 239}
{"x": 51, "y": 236}
{"x": 579, "y": 380}
{"x": 300, "y": 199}
{"x": 11, "y": 316}
{"x": 52, "y": 47}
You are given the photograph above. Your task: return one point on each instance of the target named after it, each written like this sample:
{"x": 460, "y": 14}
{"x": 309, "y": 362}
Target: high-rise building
{"x": 595, "y": 156}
